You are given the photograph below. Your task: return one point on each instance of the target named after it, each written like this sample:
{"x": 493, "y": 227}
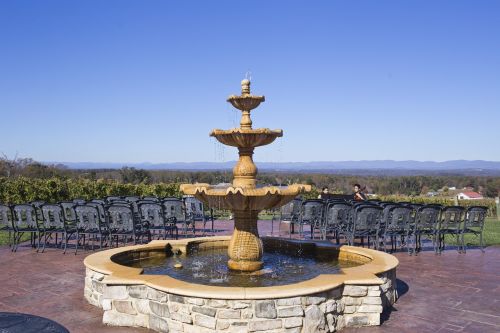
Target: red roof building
{"x": 469, "y": 195}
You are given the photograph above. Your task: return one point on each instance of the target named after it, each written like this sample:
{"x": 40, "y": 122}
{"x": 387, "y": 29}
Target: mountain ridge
{"x": 300, "y": 166}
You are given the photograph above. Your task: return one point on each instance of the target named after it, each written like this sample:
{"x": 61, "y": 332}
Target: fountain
{"x": 244, "y": 198}
{"x": 241, "y": 283}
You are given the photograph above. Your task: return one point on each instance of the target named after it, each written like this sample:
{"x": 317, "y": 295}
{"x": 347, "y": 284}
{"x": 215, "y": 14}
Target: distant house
{"x": 469, "y": 195}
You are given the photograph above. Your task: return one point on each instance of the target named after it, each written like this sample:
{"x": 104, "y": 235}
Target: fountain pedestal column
{"x": 245, "y": 170}
{"x": 245, "y": 248}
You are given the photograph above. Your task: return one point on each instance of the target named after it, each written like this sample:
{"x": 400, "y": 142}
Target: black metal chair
{"x": 288, "y": 214}
{"x": 38, "y": 209}
{"x": 90, "y": 223}
{"x": 474, "y": 224}
{"x": 174, "y": 208}
{"x": 338, "y": 214}
{"x": 25, "y": 221}
{"x": 398, "y": 225}
{"x": 195, "y": 211}
{"x": 312, "y": 214}
{"x": 6, "y": 223}
{"x": 426, "y": 224}
{"x": 366, "y": 221}
{"x": 53, "y": 223}
{"x": 101, "y": 208}
{"x": 123, "y": 223}
{"x": 69, "y": 214}
{"x": 152, "y": 215}
{"x": 450, "y": 223}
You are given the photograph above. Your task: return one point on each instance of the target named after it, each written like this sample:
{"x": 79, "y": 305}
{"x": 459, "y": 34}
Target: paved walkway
{"x": 448, "y": 293}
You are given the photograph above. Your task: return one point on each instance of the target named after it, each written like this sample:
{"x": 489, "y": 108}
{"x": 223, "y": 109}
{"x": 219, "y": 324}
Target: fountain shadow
{"x": 401, "y": 289}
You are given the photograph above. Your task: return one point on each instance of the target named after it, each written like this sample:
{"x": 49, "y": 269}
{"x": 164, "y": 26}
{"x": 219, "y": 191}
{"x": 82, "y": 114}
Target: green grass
{"x": 491, "y": 234}
{"x": 4, "y": 238}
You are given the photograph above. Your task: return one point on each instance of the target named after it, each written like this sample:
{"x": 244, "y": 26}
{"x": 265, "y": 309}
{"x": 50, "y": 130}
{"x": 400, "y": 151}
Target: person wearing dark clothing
{"x": 358, "y": 193}
{"x": 325, "y": 194}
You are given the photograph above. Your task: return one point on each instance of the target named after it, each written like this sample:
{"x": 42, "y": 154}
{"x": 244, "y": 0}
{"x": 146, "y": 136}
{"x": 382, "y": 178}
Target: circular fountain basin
{"x": 138, "y": 286}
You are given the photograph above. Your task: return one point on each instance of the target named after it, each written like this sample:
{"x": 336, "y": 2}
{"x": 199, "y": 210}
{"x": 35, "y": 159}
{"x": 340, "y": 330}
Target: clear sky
{"x": 138, "y": 81}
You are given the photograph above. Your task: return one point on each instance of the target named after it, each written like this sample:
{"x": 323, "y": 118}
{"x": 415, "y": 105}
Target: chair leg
{"x": 442, "y": 244}
{"x": 13, "y": 248}
{"x": 46, "y": 236}
{"x": 65, "y": 246}
{"x": 77, "y": 241}
{"x": 481, "y": 243}
{"x": 40, "y": 235}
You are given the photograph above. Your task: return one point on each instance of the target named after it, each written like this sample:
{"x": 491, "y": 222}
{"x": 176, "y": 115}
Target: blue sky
{"x": 137, "y": 81}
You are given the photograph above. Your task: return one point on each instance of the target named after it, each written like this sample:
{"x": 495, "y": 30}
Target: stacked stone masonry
{"x": 142, "y": 306}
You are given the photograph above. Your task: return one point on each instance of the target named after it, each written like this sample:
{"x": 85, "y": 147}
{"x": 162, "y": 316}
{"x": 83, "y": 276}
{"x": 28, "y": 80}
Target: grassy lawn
{"x": 4, "y": 238}
{"x": 491, "y": 234}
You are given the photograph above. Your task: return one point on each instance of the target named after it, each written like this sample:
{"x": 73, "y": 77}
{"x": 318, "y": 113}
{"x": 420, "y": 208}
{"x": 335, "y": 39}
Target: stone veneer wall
{"x": 139, "y": 305}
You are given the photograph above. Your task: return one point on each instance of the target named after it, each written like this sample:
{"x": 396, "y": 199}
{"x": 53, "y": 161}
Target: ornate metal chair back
{"x": 25, "y": 217}
{"x": 121, "y": 218}
{"x": 88, "y": 218}
{"x": 152, "y": 213}
{"x": 53, "y": 217}
{"x": 6, "y": 217}
{"x": 367, "y": 218}
{"x": 451, "y": 218}
{"x": 173, "y": 207}
{"x": 475, "y": 217}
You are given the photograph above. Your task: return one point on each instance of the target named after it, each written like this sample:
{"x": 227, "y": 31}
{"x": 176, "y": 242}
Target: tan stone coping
{"x": 207, "y": 189}
{"x": 365, "y": 274}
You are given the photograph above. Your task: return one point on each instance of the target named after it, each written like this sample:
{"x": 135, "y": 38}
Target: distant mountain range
{"x": 476, "y": 166}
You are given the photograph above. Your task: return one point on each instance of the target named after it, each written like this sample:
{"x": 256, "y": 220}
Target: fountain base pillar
{"x": 245, "y": 247}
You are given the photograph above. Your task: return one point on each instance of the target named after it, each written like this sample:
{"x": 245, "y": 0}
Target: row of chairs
{"x": 383, "y": 222}
{"x": 103, "y": 220}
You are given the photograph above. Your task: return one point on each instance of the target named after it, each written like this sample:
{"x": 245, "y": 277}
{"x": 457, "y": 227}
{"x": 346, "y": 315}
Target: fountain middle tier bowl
{"x": 237, "y": 198}
{"x": 246, "y": 138}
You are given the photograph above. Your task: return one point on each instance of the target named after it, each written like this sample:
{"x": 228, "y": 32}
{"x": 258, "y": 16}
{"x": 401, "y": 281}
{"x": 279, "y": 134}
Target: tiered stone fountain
{"x": 305, "y": 286}
{"x": 244, "y": 198}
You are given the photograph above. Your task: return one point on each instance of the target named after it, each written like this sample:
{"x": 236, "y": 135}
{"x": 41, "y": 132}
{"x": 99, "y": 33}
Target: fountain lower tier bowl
{"x": 139, "y": 286}
{"x": 246, "y": 138}
{"x": 237, "y": 198}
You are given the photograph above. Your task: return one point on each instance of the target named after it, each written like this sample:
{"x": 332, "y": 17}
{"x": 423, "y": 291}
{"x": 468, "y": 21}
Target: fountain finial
{"x": 245, "y": 87}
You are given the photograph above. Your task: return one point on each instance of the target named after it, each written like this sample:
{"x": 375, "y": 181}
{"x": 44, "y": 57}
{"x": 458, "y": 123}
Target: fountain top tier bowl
{"x": 245, "y": 136}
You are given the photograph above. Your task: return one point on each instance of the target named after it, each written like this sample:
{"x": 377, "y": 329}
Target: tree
{"x": 134, "y": 176}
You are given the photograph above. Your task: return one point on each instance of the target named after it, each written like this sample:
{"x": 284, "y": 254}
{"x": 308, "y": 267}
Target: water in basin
{"x": 209, "y": 267}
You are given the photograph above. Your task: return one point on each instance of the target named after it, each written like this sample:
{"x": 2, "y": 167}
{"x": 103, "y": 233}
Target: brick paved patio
{"x": 448, "y": 293}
